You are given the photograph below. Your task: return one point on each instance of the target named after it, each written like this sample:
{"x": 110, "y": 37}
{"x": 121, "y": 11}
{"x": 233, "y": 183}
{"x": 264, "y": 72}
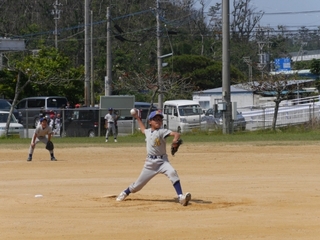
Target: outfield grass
{"x": 300, "y": 135}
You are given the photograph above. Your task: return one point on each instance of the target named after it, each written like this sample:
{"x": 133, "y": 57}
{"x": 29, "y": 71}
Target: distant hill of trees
{"x": 186, "y": 32}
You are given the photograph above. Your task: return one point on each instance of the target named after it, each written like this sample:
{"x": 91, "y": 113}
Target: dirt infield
{"x": 239, "y": 191}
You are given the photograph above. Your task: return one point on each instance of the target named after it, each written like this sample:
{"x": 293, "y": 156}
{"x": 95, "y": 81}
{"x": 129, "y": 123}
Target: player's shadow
{"x": 200, "y": 201}
{"x": 174, "y": 200}
{"x": 49, "y": 160}
{"x": 151, "y": 200}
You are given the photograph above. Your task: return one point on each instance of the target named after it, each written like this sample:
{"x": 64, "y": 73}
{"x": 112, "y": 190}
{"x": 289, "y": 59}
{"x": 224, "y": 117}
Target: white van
{"x": 31, "y": 108}
{"x": 183, "y": 116}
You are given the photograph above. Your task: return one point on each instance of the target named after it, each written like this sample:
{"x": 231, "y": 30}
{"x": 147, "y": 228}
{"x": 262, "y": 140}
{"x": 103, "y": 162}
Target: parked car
{"x": 15, "y": 129}
{"x": 127, "y": 125}
{"x": 32, "y": 108}
{"x": 82, "y": 122}
{"x": 6, "y": 106}
{"x": 214, "y": 120}
{"x": 183, "y": 116}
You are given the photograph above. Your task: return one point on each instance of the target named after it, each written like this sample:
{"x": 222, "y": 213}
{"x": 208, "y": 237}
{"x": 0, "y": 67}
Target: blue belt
{"x": 155, "y": 157}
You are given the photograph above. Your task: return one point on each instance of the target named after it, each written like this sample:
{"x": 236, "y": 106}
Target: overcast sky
{"x": 292, "y": 13}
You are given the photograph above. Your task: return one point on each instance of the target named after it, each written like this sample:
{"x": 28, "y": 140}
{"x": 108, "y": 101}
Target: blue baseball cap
{"x": 42, "y": 119}
{"x": 110, "y": 109}
{"x": 155, "y": 113}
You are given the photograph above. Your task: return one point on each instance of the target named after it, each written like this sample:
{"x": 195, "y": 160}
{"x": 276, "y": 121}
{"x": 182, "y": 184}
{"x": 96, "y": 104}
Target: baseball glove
{"x": 49, "y": 146}
{"x": 175, "y": 146}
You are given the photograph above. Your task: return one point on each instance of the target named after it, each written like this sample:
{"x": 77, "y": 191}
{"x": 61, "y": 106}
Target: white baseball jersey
{"x": 111, "y": 118}
{"x": 42, "y": 132}
{"x": 157, "y": 160}
{"x": 156, "y": 143}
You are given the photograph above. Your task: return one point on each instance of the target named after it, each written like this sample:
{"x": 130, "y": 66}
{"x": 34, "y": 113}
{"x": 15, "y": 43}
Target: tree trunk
{"x": 275, "y": 115}
{"x": 18, "y": 90}
{"x": 13, "y": 104}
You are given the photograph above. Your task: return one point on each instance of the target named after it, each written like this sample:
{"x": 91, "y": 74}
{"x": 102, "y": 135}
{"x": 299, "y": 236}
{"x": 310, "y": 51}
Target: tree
{"x": 203, "y": 72}
{"x": 245, "y": 19}
{"x": 174, "y": 85}
{"x": 48, "y": 68}
{"x": 197, "y": 33}
{"x": 277, "y": 85}
{"x": 315, "y": 67}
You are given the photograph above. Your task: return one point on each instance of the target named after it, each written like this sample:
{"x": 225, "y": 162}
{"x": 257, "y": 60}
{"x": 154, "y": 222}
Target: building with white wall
{"x": 207, "y": 98}
{"x": 246, "y": 98}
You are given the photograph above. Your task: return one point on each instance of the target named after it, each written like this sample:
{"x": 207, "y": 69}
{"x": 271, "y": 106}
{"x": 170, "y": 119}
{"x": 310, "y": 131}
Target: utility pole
{"x": 86, "y": 55}
{"x": 264, "y": 58}
{"x": 159, "y": 59}
{"x": 1, "y": 61}
{"x": 300, "y": 53}
{"x": 248, "y": 61}
{"x": 226, "y": 104}
{"x": 91, "y": 48}
{"x": 108, "y": 78}
{"x": 56, "y": 13}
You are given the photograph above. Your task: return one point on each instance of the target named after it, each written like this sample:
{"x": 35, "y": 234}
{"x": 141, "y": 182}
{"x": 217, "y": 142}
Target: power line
{"x": 83, "y": 25}
{"x": 169, "y": 22}
{"x": 282, "y": 13}
{"x": 296, "y": 12}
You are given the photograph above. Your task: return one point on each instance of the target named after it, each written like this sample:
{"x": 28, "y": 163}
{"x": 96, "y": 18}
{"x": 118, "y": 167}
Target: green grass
{"x": 299, "y": 135}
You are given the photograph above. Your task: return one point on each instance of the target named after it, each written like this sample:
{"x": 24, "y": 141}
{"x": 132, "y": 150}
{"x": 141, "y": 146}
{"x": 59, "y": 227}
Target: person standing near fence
{"x": 110, "y": 124}
{"x": 57, "y": 124}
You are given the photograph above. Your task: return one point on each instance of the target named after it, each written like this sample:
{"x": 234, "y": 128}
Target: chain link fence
{"x": 89, "y": 122}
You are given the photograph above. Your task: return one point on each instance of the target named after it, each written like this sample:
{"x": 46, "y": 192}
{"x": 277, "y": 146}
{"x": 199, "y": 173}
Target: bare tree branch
{"x": 278, "y": 86}
{"x": 174, "y": 86}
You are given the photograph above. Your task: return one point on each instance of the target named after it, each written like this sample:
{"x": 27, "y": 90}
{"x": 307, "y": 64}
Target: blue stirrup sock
{"x": 177, "y": 187}
{"x": 127, "y": 191}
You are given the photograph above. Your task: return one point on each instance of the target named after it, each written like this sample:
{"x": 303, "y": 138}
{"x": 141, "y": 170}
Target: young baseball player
{"x": 110, "y": 124}
{"x": 40, "y": 136}
{"x": 157, "y": 160}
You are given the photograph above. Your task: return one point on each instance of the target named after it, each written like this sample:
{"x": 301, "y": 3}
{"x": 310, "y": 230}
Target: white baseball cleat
{"x": 106, "y": 140}
{"x": 184, "y": 199}
{"x": 115, "y": 140}
{"x": 122, "y": 196}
